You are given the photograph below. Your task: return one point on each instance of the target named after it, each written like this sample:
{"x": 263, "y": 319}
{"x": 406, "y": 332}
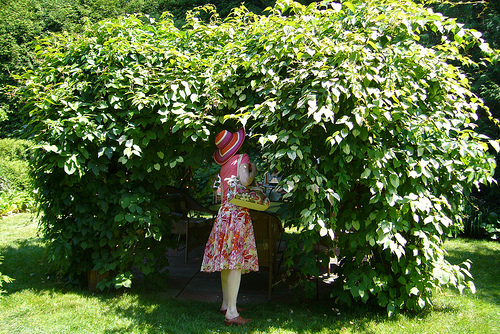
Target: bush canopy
{"x": 372, "y": 132}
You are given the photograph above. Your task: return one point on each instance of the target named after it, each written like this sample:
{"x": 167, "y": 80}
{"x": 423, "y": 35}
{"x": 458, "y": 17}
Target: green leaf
{"x": 402, "y": 241}
{"x": 70, "y": 167}
{"x": 346, "y": 148}
{"x": 394, "y": 179}
{"x": 391, "y": 309}
{"x": 366, "y": 173}
{"x": 472, "y": 286}
{"x": 349, "y": 5}
{"x": 125, "y": 202}
{"x": 356, "y": 225}
{"x": 495, "y": 145}
{"x": 51, "y": 148}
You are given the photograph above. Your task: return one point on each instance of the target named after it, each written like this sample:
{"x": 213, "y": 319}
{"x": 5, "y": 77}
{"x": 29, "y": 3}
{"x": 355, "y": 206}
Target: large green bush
{"x": 372, "y": 132}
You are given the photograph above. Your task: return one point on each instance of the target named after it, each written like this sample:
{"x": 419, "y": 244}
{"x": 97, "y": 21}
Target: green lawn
{"x": 37, "y": 303}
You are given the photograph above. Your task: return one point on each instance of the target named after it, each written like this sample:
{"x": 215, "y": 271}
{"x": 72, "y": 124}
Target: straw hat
{"x": 227, "y": 145}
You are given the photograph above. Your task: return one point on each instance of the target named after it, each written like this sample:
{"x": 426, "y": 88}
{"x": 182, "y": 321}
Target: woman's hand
{"x": 247, "y": 173}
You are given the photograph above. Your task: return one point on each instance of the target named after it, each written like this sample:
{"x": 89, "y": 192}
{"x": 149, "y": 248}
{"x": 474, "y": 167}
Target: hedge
{"x": 372, "y": 132}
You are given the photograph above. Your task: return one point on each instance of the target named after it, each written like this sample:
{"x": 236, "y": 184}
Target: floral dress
{"x": 231, "y": 244}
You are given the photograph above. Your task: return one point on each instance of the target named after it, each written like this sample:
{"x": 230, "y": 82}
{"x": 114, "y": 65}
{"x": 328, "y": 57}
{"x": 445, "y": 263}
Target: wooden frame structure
{"x": 267, "y": 229}
{"x": 189, "y": 218}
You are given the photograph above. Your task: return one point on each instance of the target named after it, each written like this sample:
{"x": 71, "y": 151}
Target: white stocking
{"x": 230, "y": 286}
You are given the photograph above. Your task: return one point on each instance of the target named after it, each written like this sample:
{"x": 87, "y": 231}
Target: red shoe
{"x": 236, "y": 321}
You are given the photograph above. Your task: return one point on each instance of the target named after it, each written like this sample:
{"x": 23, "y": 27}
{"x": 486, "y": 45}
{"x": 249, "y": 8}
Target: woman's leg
{"x": 230, "y": 286}
{"x": 223, "y": 278}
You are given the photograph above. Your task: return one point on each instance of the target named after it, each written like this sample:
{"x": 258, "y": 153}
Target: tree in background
{"x": 483, "y": 211}
{"x": 373, "y": 134}
{"x": 482, "y": 16}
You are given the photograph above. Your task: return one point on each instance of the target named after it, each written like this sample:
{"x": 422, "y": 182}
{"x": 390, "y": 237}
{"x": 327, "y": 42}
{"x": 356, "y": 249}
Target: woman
{"x": 231, "y": 246}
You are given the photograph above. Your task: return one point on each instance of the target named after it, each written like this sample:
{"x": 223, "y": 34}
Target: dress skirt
{"x": 231, "y": 244}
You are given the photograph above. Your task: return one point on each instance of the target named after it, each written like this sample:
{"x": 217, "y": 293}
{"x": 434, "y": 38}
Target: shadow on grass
{"x": 24, "y": 262}
{"x": 485, "y": 269}
{"x": 152, "y": 310}
{"x": 154, "y": 314}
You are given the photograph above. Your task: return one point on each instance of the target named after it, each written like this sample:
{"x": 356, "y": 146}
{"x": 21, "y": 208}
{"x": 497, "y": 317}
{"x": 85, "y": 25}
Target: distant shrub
{"x": 3, "y": 279}
{"x": 481, "y": 220}
{"x": 16, "y": 201}
{"x": 14, "y": 156}
{"x": 18, "y": 149}
{"x": 16, "y": 189}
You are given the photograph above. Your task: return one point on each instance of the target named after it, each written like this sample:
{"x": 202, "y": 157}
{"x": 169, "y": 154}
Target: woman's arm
{"x": 247, "y": 173}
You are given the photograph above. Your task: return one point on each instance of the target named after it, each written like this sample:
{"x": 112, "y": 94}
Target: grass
{"x": 37, "y": 302}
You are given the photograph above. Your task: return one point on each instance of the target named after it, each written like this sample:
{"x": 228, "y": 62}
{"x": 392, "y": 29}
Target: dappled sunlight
{"x": 485, "y": 257}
